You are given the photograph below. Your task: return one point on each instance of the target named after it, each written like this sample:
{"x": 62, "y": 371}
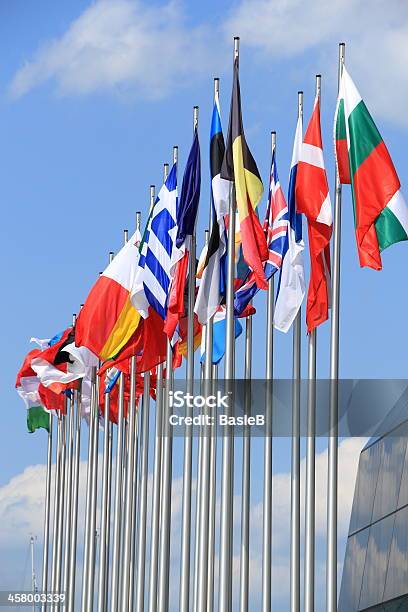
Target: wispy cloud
{"x": 122, "y": 46}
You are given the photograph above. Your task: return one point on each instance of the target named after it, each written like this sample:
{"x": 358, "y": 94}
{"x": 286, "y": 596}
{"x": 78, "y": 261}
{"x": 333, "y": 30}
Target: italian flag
{"x": 363, "y": 160}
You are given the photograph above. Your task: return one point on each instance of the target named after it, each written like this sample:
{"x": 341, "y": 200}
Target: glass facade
{"x": 375, "y": 573}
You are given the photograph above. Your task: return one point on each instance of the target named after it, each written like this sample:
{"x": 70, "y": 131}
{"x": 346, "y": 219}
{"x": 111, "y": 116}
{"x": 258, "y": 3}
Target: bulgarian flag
{"x": 363, "y": 160}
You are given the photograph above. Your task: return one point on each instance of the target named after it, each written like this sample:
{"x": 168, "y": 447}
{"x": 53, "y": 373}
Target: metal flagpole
{"x": 129, "y": 488}
{"x": 167, "y": 458}
{"x": 246, "y": 474}
{"x": 212, "y": 499}
{"x": 227, "y": 477}
{"x": 144, "y": 467}
{"x": 267, "y": 494}
{"x": 94, "y": 491}
{"x": 61, "y": 509}
{"x": 75, "y": 497}
{"x": 135, "y": 490}
{"x": 203, "y": 514}
{"x": 33, "y": 576}
{"x": 68, "y": 485}
{"x": 331, "y": 577}
{"x": 114, "y": 603}
{"x": 56, "y": 503}
{"x": 156, "y": 501}
{"x": 47, "y": 512}
{"x": 188, "y": 440}
{"x": 198, "y": 481}
{"x": 105, "y": 505}
{"x": 144, "y": 474}
{"x": 295, "y": 463}
{"x": 310, "y": 461}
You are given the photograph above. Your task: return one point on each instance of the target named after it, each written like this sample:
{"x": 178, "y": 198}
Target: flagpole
{"x": 295, "y": 460}
{"x": 227, "y": 477}
{"x": 199, "y": 477}
{"x": 144, "y": 467}
{"x": 61, "y": 508}
{"x": 114, "y": 603}
{"x": 267, "y": 495}
{"x": 167, "y": 458}
{"x": 212, "y": 499}
{"x": 94, "y": 491}
{"x": 188, "y": 440}
{"x": 56, "y": 504}
{"x": 105, "y": 505}
{"x": 47, "y": 512}
{"x": 246, "y": 473}
{"x": 156, "y": 494}
{"x": 203, "y": 513}
{"x": 75, "y": 497}
{"x": 310, "y": 509}
{"x": 332, "y": 480}
{"x": 129, "y": 488}
{"x": 135, "y": 489}
{"x": 68, "y": 487}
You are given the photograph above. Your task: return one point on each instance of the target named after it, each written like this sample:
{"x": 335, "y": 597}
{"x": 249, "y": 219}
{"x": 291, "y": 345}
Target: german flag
{"x": 239, "y": 166}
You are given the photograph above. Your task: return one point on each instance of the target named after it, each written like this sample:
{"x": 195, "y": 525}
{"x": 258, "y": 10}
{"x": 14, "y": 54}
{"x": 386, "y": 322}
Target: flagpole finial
{"x": 111, "y": 256}
{"x": 318, "y": 85}
{"x": 175, "y": 154}
{"x": 125, "y": 236}
{"x": 152, "y": 195}
{"x": 166, "y": 170}
{"x": 273, "y": 141}
{"x": 300, "y": 104}
{"x": 81, "y": 307}
{"x": 342, "y": 54}
{"x": 216, "y": 87}
{"x": 138, "y": 219}
{"x": 236, "y": 48}
{"x": 195, "y": 118}
{"x": 74, "y": 319}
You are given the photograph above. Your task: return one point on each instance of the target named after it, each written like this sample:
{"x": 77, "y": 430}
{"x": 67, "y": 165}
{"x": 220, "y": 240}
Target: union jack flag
{"x": 276, "y": 231}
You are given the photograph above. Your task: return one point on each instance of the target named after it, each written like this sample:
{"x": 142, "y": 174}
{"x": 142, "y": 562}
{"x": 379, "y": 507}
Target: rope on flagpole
{"x": 68, "y": 487}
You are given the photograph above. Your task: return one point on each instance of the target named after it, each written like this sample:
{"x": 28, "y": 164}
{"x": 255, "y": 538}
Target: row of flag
{"x": 137, "y": 305}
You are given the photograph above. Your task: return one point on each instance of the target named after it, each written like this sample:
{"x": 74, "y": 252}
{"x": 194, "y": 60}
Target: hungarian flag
{"x": 363, "y": 160}
{"x": 186, "y": 221}
{"x": 108, "y": 319}
{"x": 313, "y": 200}
{"x": 239, "y": 166}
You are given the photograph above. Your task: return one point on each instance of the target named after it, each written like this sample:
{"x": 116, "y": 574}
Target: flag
{"x": 213, "y": 275}
{"x": 291, "y": 285}
{"x": 239, "y": 166}
{"x": 380, "y": 210}
{"x": 313, "y": 200}
{"x": 275, "y": 228}
{"x": 32, "y": 393}
{"x": 186, "y": 221}
{"x": 108, "y": 319}
{"x": 154, "y": 271}
{"x": 219, "y": 335}
{"x": 62, "y": 363}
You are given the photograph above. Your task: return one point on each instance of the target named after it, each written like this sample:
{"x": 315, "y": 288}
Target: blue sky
{"x": 92, "y": 99}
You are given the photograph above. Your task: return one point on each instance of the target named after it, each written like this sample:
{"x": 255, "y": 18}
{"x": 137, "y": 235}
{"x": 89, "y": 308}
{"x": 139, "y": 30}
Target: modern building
{"x": 375, "y": 573}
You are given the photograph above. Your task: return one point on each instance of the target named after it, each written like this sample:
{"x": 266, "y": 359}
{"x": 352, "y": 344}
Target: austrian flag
{"x": 313, "y": 200}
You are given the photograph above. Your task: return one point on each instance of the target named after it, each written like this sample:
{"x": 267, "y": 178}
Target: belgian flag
{"x": 239, "y": 166}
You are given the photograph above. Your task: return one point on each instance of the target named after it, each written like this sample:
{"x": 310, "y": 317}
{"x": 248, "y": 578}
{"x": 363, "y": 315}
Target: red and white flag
{"x": 313, "y": 200}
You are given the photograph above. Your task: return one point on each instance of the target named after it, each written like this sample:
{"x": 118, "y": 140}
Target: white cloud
{"x": 375, "y": 33}
{"x": 21, "y": 513}
{"x": 120, "y": 45}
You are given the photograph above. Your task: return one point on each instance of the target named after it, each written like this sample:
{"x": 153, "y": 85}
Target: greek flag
{"x": 291, "y": 287}
{"x": 154, "y": 274}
